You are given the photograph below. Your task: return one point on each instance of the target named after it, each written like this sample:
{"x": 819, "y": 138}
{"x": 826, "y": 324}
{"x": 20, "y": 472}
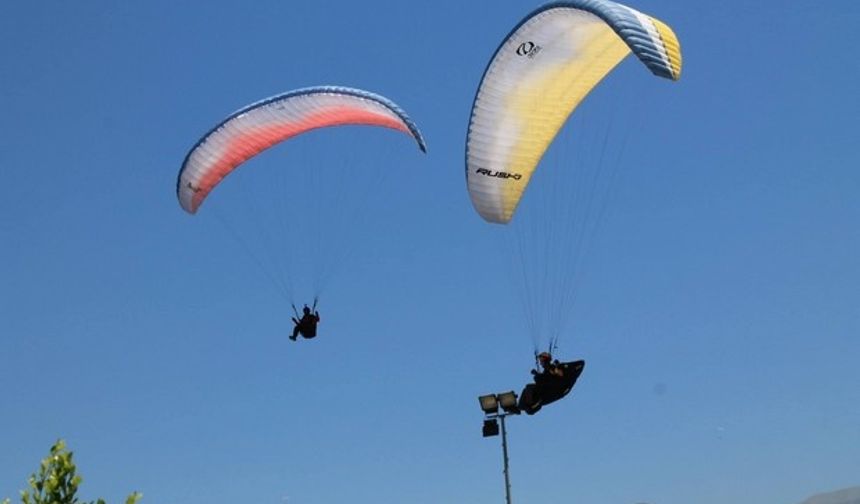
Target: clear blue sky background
{"x": 719, "y": 315}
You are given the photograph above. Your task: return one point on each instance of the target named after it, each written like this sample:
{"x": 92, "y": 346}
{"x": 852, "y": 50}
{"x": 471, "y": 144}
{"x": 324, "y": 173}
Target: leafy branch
{"x": 57, "y": 481}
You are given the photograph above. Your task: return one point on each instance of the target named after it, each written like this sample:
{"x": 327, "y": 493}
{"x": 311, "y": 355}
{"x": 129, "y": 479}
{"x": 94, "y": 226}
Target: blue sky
{"x": 718, "y": 315}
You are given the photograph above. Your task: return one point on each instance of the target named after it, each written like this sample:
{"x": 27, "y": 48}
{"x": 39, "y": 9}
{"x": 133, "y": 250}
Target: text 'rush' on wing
{"x": 541, "y": 72}
{"x": 253, "y": 129}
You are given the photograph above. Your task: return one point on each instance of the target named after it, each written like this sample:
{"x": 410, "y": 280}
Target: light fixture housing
{"x": 508, "y": 402}
{"x": 489, "y": 403}
{"x": 491, "y": 428}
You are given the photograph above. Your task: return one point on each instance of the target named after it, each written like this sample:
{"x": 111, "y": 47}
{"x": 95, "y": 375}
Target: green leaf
{"x": 133, "y": 498}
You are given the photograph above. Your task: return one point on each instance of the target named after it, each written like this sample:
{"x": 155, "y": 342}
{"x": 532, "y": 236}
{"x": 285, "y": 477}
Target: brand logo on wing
{"x": 528, "y": 49}
{"x": 498, "y": 174}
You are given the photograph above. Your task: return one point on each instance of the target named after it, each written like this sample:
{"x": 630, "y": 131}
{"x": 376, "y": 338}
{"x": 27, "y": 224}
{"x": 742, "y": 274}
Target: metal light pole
{"x": 490, "y": 405}
{"x": 505, "y": 454}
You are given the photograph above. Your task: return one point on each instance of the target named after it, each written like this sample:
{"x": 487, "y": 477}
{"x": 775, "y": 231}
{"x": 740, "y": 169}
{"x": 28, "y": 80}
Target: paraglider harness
{"x": 306, "y": 324}
{"x": 553, "y": 382}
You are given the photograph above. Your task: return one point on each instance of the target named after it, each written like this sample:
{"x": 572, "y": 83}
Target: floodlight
{"x": 508, "y": 401}
{"x": 491, "y": 428}
{"x": 489, "y": 403}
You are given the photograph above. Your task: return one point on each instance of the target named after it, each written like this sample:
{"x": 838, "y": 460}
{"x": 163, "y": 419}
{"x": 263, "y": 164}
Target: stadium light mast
{"x": 490, "y": 405}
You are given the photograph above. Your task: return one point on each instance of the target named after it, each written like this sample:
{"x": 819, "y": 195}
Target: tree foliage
{"x": 57, "y": 481}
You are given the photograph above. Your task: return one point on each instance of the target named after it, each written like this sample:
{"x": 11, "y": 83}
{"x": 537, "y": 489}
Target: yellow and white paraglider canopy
{"x": 539, "y": 74}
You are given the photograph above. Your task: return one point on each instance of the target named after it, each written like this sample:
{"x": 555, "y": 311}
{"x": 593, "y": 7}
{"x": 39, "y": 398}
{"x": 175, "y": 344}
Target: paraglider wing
{"x": 548, "y": 389}
{"x": 253, "y": 129}
{"x": 540, "y": 73}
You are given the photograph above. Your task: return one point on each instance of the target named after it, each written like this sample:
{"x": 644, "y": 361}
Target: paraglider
{"x": 538, "y": 76}
{"x": 540, "y": 73}
{"x": 248, "y": 132}
{"x": 553, "y": 383}
{"x": 253, "y": 129}
{"x": 548, "y": 365}
{"x": 307, "y": 324}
